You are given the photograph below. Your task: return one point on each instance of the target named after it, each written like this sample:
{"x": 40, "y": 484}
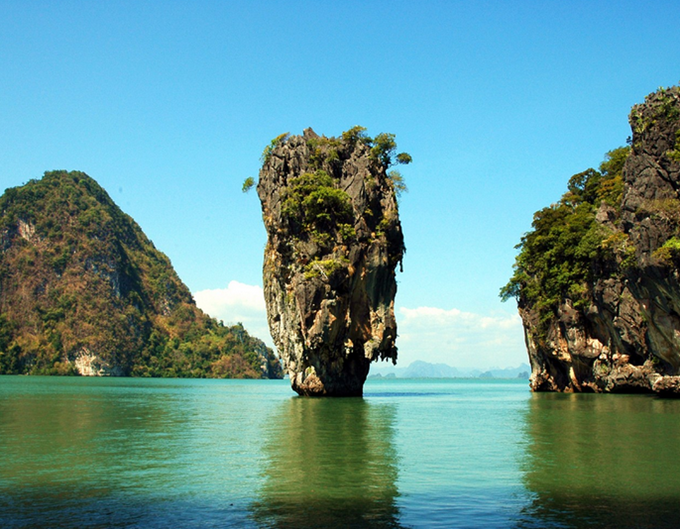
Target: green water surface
{"x": 134, "y": 453}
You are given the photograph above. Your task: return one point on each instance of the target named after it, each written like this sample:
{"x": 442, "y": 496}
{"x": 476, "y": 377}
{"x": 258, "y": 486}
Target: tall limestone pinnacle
{"x": 334, "y": 240}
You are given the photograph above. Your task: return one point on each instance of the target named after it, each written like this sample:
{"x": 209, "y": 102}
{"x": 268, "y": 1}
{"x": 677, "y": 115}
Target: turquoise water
{"x": 137, "y": 453}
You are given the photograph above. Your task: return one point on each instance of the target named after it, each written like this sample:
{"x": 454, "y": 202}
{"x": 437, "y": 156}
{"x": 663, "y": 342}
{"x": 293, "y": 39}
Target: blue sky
{"x": 168, "y": 105}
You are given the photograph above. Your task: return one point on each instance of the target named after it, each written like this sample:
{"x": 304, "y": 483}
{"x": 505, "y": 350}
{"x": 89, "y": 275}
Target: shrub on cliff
{"x": 314, "y": 207}
{"x": 324, "y": 154}
{"x": 556, "y": 259}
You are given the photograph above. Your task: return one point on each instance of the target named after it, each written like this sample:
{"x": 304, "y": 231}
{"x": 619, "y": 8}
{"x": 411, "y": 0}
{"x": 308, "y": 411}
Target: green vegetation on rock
{"x": 248, "y": 184}
{"x": 664, "y": 109}
{"x": 82, "y": 289}
{"x": 312, "y": 204}
{"x": 315, "y": 207}
{"x": 326, "y": 154}
{"x": 557, "y": 258}
{"x": 597, "y": 278}
{"x": 272, "y": 145}
{"x": 333, "y": 242}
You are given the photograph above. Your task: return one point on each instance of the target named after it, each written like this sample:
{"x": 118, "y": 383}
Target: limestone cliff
{"x": 84, "y": 291}
{"x": 597, "y": 280}
{"x": 334, "y": 240}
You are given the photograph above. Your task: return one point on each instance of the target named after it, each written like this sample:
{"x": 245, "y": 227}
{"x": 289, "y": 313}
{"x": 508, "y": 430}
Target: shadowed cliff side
{"x": 597, "y": 280}
{"x": 334, "y": 239}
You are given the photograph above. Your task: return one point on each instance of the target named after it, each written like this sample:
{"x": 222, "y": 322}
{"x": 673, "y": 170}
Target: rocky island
{"x": 84, "y": 292}
{"x": 597, "y": 279}
{"x": 334, "y": 240}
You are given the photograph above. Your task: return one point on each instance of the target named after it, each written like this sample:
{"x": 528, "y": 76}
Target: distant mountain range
{"x": 421, "y": 369}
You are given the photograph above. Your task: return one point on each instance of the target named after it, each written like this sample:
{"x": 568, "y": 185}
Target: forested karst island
{"x": 597, "y": 280}
{"x": 84, "y": 291}
{"x": 330, "y": 209}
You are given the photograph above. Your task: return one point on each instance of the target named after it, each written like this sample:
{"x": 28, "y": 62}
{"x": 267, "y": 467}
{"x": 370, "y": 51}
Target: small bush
{"x": 266, "y": 154}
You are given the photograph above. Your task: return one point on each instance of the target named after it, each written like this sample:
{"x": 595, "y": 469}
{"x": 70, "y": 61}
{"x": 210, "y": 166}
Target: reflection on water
{"x": 330, "y": 463}
{"x": 602, "y": 461}
{"x": 72, "y": 456}
{"x": 85, "y": 453}
{"x": 91, "y": 453}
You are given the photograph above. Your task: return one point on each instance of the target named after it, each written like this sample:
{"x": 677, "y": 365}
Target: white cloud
{"x": 460, "y": 339}
{"x": 237, "y": 303}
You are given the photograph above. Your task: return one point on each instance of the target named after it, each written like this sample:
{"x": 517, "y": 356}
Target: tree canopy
{"x": 556, "y": 257}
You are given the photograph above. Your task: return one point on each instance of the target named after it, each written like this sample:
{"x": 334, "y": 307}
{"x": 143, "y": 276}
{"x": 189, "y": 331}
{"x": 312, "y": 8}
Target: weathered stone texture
{"x": 628, "y": 340}
{"x": 329, "y": 295}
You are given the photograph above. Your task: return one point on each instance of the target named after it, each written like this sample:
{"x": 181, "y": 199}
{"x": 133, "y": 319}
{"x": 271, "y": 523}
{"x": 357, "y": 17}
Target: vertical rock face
{"x": 334, "y": 240}
{"x": 616, "y": 326}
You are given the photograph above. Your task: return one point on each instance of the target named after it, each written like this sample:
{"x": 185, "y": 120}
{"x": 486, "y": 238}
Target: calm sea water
{"x": 135, "y": 453}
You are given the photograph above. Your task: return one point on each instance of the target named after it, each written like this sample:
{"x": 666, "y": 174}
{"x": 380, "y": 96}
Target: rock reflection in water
{"x": 330, "y": 463}
{"x": 602, "y": 461}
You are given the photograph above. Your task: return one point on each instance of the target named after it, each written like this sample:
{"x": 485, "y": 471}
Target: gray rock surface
{"x": 329, "y": 264}
{"x": 628, "y": 338}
